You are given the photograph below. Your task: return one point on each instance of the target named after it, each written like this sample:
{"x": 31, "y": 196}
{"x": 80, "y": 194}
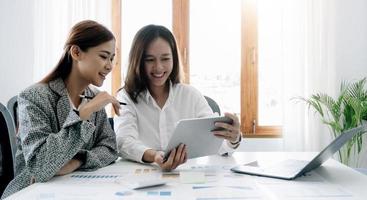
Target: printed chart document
{"x": 196, "y": 182}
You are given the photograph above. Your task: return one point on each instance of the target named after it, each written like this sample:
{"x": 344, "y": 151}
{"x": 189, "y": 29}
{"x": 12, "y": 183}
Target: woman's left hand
{"x": 231, "y": 132}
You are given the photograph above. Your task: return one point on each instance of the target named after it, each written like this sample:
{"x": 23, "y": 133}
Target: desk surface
{"x": 204, "y": 178}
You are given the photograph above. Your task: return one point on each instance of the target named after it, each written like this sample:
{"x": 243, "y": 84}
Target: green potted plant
{"x": 347, "y": 111}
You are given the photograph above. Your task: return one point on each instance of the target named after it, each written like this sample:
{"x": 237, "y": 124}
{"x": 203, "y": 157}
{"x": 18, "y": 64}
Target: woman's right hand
{"x": 176, "y": 157}
{"x": 69, "y": 167}
{"x": 97, "y": 103}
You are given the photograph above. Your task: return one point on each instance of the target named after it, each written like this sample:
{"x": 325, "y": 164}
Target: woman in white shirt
{"x": 156, "y": 99}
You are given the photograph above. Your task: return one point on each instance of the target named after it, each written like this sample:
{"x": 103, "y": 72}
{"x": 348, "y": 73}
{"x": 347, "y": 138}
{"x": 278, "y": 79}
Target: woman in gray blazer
{"x": 62, "y": 124}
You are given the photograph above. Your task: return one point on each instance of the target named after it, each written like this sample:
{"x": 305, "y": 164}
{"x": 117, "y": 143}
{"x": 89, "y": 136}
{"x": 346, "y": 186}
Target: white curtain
{"x": 52, "y": 22}
{"x": 308, "y": 68}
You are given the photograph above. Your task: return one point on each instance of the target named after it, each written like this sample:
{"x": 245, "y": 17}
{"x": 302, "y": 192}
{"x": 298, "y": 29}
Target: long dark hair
{"x": 136, "y": 80}
{"x": 85, "y": 34}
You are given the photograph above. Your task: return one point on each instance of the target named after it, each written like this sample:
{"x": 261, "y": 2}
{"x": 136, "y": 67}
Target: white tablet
{"x": 197, "y": 136}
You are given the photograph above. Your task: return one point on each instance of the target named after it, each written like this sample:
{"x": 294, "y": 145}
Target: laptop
{"x": 291, "y": 169}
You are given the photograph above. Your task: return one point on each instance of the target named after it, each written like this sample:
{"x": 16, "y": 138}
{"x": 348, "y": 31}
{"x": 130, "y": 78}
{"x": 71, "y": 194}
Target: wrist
{"x": 84, "y": 113}
{"x": 76, "y": 164}
{"x": 149, "y": 156}
{"x": 237, "y": 141}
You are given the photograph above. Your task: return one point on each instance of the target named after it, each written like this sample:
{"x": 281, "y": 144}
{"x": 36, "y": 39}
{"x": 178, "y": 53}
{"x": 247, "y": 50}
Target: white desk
{"x": 330, "y": 181}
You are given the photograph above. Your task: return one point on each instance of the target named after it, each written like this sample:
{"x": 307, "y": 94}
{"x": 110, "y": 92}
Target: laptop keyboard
{"x": 286, "y": 169}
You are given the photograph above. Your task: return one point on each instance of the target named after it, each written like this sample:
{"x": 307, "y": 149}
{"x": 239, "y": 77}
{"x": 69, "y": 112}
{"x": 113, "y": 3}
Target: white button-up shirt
{"x": 145, "y": 125}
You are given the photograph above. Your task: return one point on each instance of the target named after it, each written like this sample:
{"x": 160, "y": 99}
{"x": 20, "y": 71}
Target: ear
{"x": 75, "y": 52}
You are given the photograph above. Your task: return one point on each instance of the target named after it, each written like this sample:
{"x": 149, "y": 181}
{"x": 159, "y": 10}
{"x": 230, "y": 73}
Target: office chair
{"x": 213, "y": 105}
{"x": 12, "y": 106}
{"x": 8, "y": 147}
{"x": 110, "y": 119}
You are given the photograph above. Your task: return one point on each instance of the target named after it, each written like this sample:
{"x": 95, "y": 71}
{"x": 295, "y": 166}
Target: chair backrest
{"x": 110, "y": 119}
{"x": 7, "y": 145}
{"x": 12, "y": 106}
{"x": 213, "y": 105}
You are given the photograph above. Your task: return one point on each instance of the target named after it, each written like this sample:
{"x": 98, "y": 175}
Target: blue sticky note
{"x": 165, "y": 193}
{"x": 152, "y": 193}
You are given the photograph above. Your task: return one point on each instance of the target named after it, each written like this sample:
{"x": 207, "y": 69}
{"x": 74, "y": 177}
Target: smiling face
{"x": 95, "y": 63}
{"x": 158, "y": 63}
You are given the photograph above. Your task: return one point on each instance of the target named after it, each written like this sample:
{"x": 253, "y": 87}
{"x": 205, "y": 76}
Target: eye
{"x": 103, "y": 57}
{"x": 166, "y": 59}
{"x": 148, "y": 60}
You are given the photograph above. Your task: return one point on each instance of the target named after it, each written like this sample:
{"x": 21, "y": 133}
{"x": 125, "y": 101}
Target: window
{"x": 229, "y": 52}
{"x": 269, "y": 63}
{"x": 260, "y": 99}
{"x": 134, "y": 16}
{"x": 215, "y": 51}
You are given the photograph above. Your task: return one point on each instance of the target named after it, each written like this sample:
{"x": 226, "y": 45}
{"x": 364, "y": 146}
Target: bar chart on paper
{"x": 95, "y": 178}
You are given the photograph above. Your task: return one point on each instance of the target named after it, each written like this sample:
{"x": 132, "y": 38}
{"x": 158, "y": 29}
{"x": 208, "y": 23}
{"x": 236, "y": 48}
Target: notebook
{"x": 291, "y": 169}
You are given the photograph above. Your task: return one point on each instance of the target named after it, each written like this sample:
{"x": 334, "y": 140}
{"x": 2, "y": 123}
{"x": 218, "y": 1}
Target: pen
{"x": 88, "y": 97}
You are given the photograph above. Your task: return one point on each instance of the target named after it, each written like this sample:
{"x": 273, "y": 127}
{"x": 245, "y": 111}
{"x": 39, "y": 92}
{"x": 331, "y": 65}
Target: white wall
{"x": 351, "y": 39}
{"x": 16, "y": 47}
{"x": 258, "y": 144}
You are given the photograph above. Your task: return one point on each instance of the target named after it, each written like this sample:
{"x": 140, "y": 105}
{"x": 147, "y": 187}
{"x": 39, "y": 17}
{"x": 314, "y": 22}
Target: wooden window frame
{"x": 116, "y": 30}
{"x": 249, "y": 65}
{"x": 181, "y": 30}
{"x": 249, "y": 75}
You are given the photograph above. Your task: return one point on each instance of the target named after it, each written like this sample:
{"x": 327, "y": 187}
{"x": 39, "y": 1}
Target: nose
{"x": 109, "y": 65}
{"x": 158, "y": 65}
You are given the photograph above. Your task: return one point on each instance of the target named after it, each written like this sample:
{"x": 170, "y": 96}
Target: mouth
{"x": 158, "y": 75}
{"x": 102, "y": 75}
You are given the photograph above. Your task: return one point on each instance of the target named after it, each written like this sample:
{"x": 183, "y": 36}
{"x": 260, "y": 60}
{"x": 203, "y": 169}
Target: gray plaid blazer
{"x": 51, "y": 134}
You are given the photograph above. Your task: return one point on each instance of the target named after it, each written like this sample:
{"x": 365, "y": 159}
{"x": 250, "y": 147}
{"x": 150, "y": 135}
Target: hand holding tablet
{"x": 169, "y": 161}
